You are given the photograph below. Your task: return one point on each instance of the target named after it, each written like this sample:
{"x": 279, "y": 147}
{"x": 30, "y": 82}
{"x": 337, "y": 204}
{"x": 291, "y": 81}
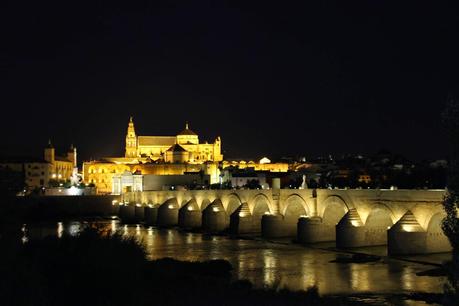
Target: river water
{"x": 282, "y": 263}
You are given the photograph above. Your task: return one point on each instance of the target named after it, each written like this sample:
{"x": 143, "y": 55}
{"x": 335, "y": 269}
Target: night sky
{"x": 271, "y": 79}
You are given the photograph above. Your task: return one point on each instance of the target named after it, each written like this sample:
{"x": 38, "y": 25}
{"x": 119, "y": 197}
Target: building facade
{"x": 157, "y": 155}
{"x": 40, "y": 172}
{"x": 157, "y": 147}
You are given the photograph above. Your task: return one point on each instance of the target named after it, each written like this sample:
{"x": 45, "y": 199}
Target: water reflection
{"x": 269, "y": 267}
{"x": 267, "y": 264}
{"x": 60, "y": 229}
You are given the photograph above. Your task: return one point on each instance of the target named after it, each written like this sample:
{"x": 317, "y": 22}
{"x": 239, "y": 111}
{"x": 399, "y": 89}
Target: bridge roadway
{"x": 407, "y": 221}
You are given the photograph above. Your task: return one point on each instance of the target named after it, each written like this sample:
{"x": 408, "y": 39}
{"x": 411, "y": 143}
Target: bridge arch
{"x": 231, "y": 202}
{"x": 334, "y": 208}
{"x": 378, "y": 221}
{"x": 380, "y": 215}
{"x": 436, "y": 240}
{"x": 260, "y": 205}
{"x": 204, "y": 204}
{"x": 295, "y": 206}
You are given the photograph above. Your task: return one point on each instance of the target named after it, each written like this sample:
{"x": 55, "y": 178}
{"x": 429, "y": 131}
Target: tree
{"x": 253, "y": 184}
{"x": 451, "y": 201}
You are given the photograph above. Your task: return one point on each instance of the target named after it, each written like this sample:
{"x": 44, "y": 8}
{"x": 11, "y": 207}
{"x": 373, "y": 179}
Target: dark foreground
{"x": 99, "y": 268}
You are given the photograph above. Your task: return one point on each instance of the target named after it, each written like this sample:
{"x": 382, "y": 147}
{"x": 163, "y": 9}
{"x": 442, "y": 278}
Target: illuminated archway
{"x": 376, "y": 225}
{"x": 294, "y": 208}
{"x": 232, "y": 203}
{"x": 436, "y": 240}
{"x": 335, "y": 209}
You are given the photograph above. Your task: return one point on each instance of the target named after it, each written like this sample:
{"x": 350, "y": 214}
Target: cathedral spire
{"x": 186, "y": 125}
{"x": 131, "y": 140}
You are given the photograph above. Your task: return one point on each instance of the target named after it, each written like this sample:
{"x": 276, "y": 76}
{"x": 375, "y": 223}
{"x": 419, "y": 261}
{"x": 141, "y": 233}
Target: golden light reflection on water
{"x": 309, "y": 275}
{"x": 408, "y": 279}
{"x": 269, "y": 267}
{"x": 113, "y": 226}
{"x": 268, "y": 264}
{"x": 60, "y": 229}
{"x": 359, "y": 277}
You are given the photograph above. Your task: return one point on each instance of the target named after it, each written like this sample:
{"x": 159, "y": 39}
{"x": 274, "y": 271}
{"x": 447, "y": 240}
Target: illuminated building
{"x": 40, "y": 172}
{"x": 157, "y": 155}
{"x": 184, "y": 147}
{"x": 101, "y": 172}
{"x": 167, "y": 155}
{"x": 263, "y": 165}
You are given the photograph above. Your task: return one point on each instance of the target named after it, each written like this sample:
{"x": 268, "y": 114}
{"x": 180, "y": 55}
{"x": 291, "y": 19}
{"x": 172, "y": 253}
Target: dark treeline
{"x": 98, "y": 268}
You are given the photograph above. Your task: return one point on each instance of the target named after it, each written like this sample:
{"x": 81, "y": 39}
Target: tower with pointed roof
{"x": 131, "y": 140}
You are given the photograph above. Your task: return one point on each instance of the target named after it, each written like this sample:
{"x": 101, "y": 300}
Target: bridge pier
{"x": 241, "y": 221}
{"x": 139, "y": 213}
{"x": 190, "y": 216}
{"x": 214, "y": 217}
{"x": 271, "y": 226}
{"x": 312, "y": 230}
{"x": 350, "y": 232}
{"x": 127, "y": 213}
{"x": 151, "y": 214}
{"x": 277, "y": 226}
{"x": 168, "y": 213}
{"x": 115, "y": 208}
{"x": 407, "y": 237}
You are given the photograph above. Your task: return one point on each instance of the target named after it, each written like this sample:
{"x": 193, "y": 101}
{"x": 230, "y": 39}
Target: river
{"x": 282, "y": 263}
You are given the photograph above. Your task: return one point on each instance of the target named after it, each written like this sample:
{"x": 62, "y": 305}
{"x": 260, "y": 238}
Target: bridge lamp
{"x": 215, "y": 209}
{"x": 150, "y": 205}
{"x": 114, "y": 202}
{"x": 170, "y": 206}
{"x": 408, "y": 228}
{"x": 189, "y": 208}
{"x": 138, "y": 205}
{"x": 243, "y": 214}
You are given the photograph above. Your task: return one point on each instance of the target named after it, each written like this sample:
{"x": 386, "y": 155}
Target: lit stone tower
{"x": 131, "y": 140}
{"x": 72, "y": 155}
{"x": 49, "y": 153}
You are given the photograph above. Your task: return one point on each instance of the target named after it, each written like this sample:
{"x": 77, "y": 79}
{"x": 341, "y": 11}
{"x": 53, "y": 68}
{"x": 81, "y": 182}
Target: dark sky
{"x": 271, "y": 79}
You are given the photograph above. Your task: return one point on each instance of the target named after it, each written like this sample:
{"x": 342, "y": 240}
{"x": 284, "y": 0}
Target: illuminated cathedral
{"x": 157, "y": 155}
{"x": 182, "y": 148}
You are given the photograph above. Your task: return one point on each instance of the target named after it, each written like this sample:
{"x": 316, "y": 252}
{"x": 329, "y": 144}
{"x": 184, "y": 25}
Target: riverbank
{"x": 98, "y": 268}
{"x": 265, "y": 264}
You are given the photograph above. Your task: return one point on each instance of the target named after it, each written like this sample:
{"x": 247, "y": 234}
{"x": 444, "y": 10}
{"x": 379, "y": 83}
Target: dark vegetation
{"x": 100, "y": 268}
{"x": 451, "y": 202}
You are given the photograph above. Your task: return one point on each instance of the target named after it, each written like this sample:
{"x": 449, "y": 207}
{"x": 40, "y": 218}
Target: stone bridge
{"x": 407, "y": 221}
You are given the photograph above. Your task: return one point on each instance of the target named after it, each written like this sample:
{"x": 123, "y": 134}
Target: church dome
{"x": 187, "y": 131}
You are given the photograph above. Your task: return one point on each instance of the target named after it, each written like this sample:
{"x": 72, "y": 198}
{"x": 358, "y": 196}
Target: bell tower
{"x": 131, "y": 140}
{"x": 49, "y": 153}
